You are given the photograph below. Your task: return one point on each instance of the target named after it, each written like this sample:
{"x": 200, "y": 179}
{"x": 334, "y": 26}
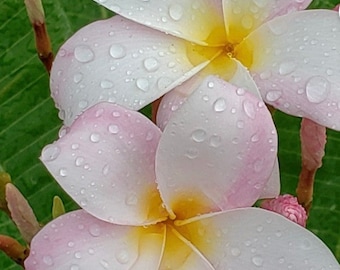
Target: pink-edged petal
{"x": 78, "y": 240}
{"x": 217, "y": 151}
{"x": 106, "y": 163}
{"x": 226, "y": 68}
{"x": 118, "y": 61}
{"x": 242, "y": 17}
{"x": 294, "y": 60}
{"x": 272, "y": 187}
{"x": 253, "y": 238}
{"x": 180, "y": 254}
{"x": 196, "y": 21}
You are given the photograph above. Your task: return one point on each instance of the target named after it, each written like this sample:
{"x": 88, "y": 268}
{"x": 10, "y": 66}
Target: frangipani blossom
{"x": 173, "y": 200}
{"x": 154, "y": 46}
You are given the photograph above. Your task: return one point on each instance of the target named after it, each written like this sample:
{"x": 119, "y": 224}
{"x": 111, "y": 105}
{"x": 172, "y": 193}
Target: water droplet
{"x": 63, "y": 172}
{"x": 215, "y": 141}
{"x": 131, "y": 199}
{"x": 74, "y": 267}
{"x": 287, "y": 67}
{"x": 240, "y": 124}
{"x": 94, "y": 230}
{"x": 83, "y": 53}
{"x": 106, "y": 84}
{"x": 151, "y": 64}
{"x": 95, "y": 137}
{"x": 50, "y": 152}
{"x": 249, "y": 109}
{"x": 122, "y": 256}
{"x": 198, "y": 135}
{"x": 48, "y": 260}
{"x": 79, "y": 161}
{"x": 176, "y": 12}
{"x": 273, "y": 95}
{"x": 255, "y": 138}
{"x": 220, "y": 105}
{"x": 317, "y": 89}
{"x": 75, "y": 146}
{"x": 77, "y": 255}
{"x": 117, "y": 51}
{"x": 143, "y": 84}
{"x": 114, "y": 129}
{"x": 247, "y": 22}
{"x": 77, "y": 77}
{"x": 149, "y": 136}
{"x": 235, "y": 252}
{"x": 258, "y": 165}
{"x": 105, "y": 264}
{"x": 277, "y": 28}
{"x": 211, "y": 84}
{"x": 83, "y": 104}
{"x": 106, "y": 169}
{"x": 191, "y": 153}
{"x": 259, "y": 228}
{"x": 257, "y": 261}
{"x": 240, "y": 91}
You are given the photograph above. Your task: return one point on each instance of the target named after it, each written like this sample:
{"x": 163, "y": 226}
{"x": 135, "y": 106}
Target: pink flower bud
{"x": 287, "y": 206}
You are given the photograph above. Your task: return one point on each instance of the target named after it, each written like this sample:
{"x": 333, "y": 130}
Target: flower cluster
{"x": 180, "y": 195}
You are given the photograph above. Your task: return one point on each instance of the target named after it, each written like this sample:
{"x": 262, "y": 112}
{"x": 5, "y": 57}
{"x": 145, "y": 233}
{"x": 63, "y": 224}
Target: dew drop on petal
{"x": 151, "y": 64}
{"x": 83, "y": 53}
{"x": 235, "y": 252}
{"x": 215, "y": 141}
{"x": 249, "y": 109}
{"x": 131, "y": 199}
{"x": 48, "y": 260}
{"x": 113, "y": 129}
{"x": 117, "y": 51}
{"x": 79, "y": 161}
{"x": 106, "y": 84}
{"x": 63, "y": 172}
{"x": 317, "y": 89}
{"x": 176, "y": 12}
{"x": 50, "y": 152}
{"x": 143, "y": 84}
{"x": 286, "y": 68}
{"x": 83, "y": 104}
{"x": 191, "y": 153}
{"x": 94, "y": 230}
{"x": 220, "y": 105}
{"x": 105, "y": 264}
{"x": 273, "y": 95}
{"x": 198, "y": 135}
{"x": 122, "y": 256}
{"x": 77, "y": 77}
{"x": 106, "y": 169}
{"x": 74, "y": 267}
{"x": 149, "y": 136}
{"x": 95, "y": 137}
{"x": 257, "y": 261}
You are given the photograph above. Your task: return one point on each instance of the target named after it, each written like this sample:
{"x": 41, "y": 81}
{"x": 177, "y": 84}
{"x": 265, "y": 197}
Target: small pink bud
{"x": 287, "y": 206}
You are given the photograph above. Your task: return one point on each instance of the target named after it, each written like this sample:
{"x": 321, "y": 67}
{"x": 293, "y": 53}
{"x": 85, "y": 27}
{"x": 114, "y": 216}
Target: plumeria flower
{"x": 173, "y": 200}
{"x": 288, "y": 54}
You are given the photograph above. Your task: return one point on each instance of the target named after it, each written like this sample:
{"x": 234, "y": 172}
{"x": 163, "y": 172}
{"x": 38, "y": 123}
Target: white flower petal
{"x": 217, "y": 151}
{"x": 294, "y": 60}
{"x": 118, "y": 61}
{"x": 197, "y": 21}
{"x": 78, "y": 240}
{"x": 253, "y": 238}
{"x": 106, "y": 164}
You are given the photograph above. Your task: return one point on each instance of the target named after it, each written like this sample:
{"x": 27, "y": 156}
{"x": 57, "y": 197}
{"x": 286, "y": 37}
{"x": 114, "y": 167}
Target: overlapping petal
{"x": 243, "y": 17}
{"x": 294, "y": 60}
{"x": 119, "y": 61}
{"x": 106, "y": 163}
{"x": 217, "y": 151}
{"x": 224, "y": 67}
{"x": 78, "y": 240}
{"x": 253, "y": 238}
{"x": 174, "y": 16}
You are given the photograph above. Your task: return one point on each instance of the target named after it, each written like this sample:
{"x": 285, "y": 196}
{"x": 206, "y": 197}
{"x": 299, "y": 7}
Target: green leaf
{"x": 28, "y": 121}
